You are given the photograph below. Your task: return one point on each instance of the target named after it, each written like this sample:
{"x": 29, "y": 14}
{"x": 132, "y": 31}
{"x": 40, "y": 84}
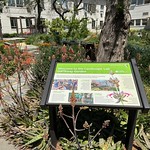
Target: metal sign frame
{"x": 132, "y": 110}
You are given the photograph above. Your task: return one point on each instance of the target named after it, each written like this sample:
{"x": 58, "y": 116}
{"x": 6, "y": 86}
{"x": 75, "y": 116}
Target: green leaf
{"x": 35, "y": 139}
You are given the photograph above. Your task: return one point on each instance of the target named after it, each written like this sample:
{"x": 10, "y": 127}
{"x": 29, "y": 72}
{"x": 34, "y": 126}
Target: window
{"x": 26, "y": 2}
{"x": 1, "y": 9}
{"x": 145, "y": 13}
{"x": 13, "y": 22}
{"x": 93, "y": 24}
{"x": 101, "y": 14}
{"x": 132, "y": 23}
{"x": 91, "y": 8}
{"x": 19, "y": 3}
{"x": 138, "y": 22}
{"x": 42, "y": 21}
{"x": 133, "y": 1}
{"x": 102, "y": 7}
{"x": 101, "y": 24}
{"x": 144, "y": 22}
{"x": 147, "y": 1}
{"x": 140, "y": 2}
{"x": 70, "y": 5}
{"x": 85, "y": 6}
{"x": 85, "y": 14}
{"x": 28, "y": 22}
{"x": 42, "y": 4}
{"x": 11, "y": 2}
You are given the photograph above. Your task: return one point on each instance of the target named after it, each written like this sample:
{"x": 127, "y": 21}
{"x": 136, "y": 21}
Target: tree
{"x": 2, "y": 3}
{"x": 61, "y": 7}
{"x": 39, "y": 4}
{"x": 114, "y": 34}
{"x": 73, "y": 23}
{"x": 115, "y": 31}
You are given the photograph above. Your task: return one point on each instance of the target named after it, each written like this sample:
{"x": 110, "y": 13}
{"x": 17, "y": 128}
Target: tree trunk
{"x": 39, "y": 10}
{"x": 114, "y": 34}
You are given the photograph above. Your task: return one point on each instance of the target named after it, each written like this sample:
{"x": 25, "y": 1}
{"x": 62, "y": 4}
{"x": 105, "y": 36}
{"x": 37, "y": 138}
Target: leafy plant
{"x": 142, "y": 55}
{"x": 60, "y": 53}
{"x": 92, "y": 139}
{"x": 72, "y": 29}
{"x": 38, "y": 39}
{"x": 86, "y": 125}
{"x": 22, "y": 121}
{"x": 7, "y": 35}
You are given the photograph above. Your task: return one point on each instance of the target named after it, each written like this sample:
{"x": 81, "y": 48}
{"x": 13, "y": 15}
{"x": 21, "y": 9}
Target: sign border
{"x": 137, "y": 81}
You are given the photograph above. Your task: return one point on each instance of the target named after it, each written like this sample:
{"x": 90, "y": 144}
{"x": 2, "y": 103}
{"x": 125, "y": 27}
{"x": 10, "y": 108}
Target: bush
{"x": 140, "y": 37}
{"x": 1, "y": 47}
{"x": 68, "y": 30}
{"x": 39, "y": 38}
{"x": 7, "y": 35}
{"x": 60, "y": 53}
{"x": 41, "y": 67}
{"x": 142, "y": 54}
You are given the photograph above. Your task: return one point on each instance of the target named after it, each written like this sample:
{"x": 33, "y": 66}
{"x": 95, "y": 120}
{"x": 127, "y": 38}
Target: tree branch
{"x": 79, "y": 4}
{"x": 83, "y": 19}
{"x": 59, "y": 13}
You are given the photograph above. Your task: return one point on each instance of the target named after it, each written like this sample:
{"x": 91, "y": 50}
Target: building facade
{"x": 140, "y": 14}
{"x": 16, "y": 19}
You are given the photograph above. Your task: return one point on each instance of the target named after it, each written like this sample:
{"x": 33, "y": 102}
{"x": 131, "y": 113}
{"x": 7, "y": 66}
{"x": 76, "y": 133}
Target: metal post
{"x": 1, "y": 34}
{"x": 53, "y": 126}
{"x": 20, "y": 18}
{"x": 130, "y": 129}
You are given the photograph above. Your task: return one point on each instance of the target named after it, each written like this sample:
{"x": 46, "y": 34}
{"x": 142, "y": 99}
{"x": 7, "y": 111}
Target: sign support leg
{"x": 53, "y": 126}
{"x": 130, "y": 129}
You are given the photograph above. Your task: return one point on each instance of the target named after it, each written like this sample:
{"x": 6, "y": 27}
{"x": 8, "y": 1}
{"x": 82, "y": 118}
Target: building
{"x": 16, "y": 19}
{"x": 140, "y": 14}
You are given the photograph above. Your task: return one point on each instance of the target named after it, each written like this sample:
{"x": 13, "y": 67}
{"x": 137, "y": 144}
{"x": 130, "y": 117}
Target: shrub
{"x": 142, "y": 54}
{"x": 60, "y": 53}
{"x": 42, "y": 64}
{"x": 72, "y": 29}
{"x": 7, "y": 35}
{"x": 39, "y": 38}
{"x": 2, "y": 47}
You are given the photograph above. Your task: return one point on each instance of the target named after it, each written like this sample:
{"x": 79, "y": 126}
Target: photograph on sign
{"x": 64, "y": 84}
{"x": 94, "y": 84}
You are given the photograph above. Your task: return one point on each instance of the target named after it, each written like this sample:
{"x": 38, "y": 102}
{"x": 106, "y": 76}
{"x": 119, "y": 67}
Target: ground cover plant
{"x": 26, "y": 124}
{"x": 139, "y": 48}
{"x": 29, "y": 129}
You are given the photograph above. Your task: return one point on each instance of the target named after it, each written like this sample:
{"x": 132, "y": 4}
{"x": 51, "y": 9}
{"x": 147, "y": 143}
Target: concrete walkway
{"x": 5, "y": 145}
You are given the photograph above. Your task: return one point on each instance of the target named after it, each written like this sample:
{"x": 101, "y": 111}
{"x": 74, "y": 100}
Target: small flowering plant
{"x": 118, "y": 96}
{"x": 86, "y": 125}
{"x": 14, "y": 59}
{"x": 14, "y": 73}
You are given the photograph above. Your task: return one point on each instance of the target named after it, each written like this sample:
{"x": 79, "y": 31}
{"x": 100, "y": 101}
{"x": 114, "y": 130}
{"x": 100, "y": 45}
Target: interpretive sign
{"x": 94, "y": 84}
{"x": 107, "y": 85}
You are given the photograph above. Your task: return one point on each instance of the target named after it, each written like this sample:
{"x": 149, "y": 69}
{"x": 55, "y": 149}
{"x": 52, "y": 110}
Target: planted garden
{"x": 26, "y": 125}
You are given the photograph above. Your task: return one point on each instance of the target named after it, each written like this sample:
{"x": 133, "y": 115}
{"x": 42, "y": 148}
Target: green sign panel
{"x": 93, "y": 68}
{"x": 94, "y": 84}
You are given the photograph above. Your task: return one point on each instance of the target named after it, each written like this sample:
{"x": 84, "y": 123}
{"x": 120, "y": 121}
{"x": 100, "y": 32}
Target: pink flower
{"x": 71, "y": 51}
{"x": 63, "y": 58}
{"x": 64, "y": 49}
